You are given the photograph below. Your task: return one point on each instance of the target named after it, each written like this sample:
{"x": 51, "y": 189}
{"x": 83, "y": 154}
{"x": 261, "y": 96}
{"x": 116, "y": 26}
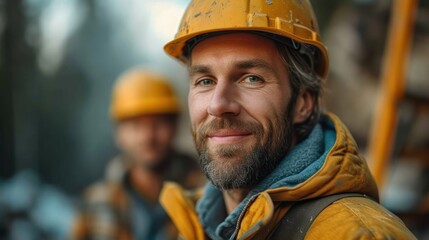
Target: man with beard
{"x": 256, "y": 70}
{"x": 125, "y": 204}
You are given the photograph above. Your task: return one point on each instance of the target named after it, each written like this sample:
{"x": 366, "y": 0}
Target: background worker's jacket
{"x": 112, "y": 209}
{"x": 325, "y": 163}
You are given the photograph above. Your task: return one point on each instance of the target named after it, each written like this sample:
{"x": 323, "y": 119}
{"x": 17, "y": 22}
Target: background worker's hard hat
{"x": 139, "y": 92}
{"x": 286, "y": 18}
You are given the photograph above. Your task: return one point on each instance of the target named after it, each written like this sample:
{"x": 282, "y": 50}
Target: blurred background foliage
{"x": 59, "y": 61}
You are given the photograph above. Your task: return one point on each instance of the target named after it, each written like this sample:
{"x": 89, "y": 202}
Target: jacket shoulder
{"x": 357, "y": 218}
{"x": 100, "y": 205}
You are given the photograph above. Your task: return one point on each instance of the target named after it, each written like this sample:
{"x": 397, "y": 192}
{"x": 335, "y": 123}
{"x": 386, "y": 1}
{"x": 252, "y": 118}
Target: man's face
{"x": 147, "y": 139}
{"x": 239, "y": 102}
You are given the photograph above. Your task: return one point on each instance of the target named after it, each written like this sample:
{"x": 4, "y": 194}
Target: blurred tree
{"x": 77, "y": 130}
{"x": 19, "y": 93}
{"x": 6, "y": 102}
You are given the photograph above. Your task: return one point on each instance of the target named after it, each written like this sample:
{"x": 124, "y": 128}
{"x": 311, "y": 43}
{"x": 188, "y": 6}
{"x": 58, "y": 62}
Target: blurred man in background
{"x": 124, "y": 205}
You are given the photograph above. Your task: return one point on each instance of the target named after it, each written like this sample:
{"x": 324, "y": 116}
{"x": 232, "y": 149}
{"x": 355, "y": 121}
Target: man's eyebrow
{"x": 243, "y": 64}
{"x": 201, "y": 69}
{"x": 253, "y": 63}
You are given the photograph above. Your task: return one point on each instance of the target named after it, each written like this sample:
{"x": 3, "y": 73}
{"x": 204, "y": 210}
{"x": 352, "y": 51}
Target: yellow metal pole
{"x": 392, "y": 87}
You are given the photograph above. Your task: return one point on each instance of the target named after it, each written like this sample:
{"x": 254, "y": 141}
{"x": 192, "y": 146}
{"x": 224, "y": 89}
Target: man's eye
{"x": 253, "y": 79}
{"x": 205, "y": 82}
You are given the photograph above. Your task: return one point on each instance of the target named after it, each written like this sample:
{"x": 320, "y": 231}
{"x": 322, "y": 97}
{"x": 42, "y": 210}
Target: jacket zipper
{"x": 242, "y": 214}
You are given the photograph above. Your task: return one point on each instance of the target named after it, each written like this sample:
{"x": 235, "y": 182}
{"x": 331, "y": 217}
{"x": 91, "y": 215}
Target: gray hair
{"x": 303, "y": 77}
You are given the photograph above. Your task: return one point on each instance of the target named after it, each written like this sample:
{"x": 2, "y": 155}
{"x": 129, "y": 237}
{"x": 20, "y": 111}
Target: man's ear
{"x": 303, "y": 107}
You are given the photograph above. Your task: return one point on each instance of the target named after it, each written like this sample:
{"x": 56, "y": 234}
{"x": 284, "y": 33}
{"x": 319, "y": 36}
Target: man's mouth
{"x": 228, "y": 136}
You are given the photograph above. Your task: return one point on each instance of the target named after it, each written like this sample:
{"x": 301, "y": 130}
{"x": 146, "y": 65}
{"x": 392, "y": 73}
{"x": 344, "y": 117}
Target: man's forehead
{"x": 244, "y": 44}
{"x": 240, "y": 50}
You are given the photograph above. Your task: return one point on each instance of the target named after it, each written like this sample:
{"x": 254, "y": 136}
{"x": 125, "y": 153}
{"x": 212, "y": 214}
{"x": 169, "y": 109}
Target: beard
{"x": 234, "y": 166}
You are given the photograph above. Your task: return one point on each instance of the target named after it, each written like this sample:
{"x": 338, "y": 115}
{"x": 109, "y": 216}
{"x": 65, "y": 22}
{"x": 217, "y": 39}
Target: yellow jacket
{"x": 337, "y": 169}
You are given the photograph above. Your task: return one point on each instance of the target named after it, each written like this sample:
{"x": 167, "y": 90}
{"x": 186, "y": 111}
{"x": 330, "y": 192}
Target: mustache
{"x": 228, "y": 123}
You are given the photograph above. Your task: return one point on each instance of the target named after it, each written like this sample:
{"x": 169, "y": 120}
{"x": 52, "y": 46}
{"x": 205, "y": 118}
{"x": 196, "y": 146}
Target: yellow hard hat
{"x": 138, "y": 92}
{"x": 293, "y": 19}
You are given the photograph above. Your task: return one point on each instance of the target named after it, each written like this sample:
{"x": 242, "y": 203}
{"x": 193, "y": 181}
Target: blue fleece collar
{"x": 302, "y": 161}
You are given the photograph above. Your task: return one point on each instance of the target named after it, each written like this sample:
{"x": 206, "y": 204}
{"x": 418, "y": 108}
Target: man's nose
{"x": 223, "y": 101}
{"x": 146, "y": 132}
